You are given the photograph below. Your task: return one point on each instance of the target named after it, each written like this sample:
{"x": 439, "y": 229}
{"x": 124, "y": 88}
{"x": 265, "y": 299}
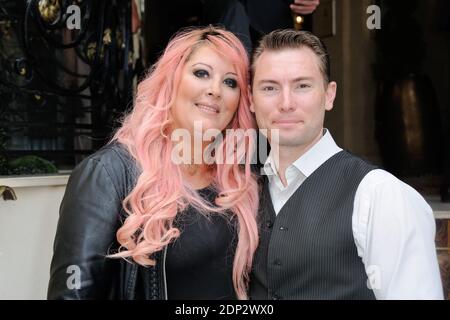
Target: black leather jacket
{"x": 90, "y": 215}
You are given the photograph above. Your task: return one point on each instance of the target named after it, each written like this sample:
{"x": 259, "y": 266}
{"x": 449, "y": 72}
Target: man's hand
{"x": 304, "y": 6}
{"x": 135, "y": 21}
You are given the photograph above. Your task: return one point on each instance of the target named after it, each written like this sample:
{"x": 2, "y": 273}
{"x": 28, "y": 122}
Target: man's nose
{"x": 286, "y": 103}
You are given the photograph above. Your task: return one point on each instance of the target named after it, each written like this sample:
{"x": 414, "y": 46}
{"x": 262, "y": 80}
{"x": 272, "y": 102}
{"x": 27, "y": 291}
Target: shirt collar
{"x": 324, "y": 149}
{"x": 312, "y": 159}
{"x": 270, "y": 168}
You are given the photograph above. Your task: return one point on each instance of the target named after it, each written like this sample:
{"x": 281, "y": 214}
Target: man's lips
{"x": 286, "y": 122}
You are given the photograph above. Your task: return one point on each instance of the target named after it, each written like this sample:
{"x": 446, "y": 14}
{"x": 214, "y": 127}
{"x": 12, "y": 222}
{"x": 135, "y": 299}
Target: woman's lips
{"x": 210, "y": 109}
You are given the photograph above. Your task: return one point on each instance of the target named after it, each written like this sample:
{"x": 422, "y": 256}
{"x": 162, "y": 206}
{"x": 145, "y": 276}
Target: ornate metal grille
{"x": 66, "y": 74}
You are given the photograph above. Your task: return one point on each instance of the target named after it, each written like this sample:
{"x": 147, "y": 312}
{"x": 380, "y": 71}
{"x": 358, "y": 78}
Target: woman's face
{"x": 208, "y": 92}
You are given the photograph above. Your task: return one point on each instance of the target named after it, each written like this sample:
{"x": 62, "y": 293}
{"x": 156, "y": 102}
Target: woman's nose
{"x": 214, "y": 89}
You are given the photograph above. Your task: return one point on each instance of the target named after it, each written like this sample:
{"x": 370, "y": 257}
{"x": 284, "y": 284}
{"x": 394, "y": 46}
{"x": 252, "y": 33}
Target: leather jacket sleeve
{"x": 86, "y": 231}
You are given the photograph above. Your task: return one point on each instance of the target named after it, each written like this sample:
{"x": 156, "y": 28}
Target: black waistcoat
{"x": 308, "y": 251}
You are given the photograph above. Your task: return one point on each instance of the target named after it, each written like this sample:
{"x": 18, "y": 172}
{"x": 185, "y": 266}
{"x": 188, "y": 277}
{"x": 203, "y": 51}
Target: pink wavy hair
{"x": 160, "y": 193}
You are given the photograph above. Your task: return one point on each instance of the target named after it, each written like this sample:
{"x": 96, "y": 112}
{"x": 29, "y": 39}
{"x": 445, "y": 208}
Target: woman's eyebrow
{"x": 207, "y": 65}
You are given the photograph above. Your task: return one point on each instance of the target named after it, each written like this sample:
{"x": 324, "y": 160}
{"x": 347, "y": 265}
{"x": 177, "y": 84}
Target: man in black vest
{"x": 331, "y": 225}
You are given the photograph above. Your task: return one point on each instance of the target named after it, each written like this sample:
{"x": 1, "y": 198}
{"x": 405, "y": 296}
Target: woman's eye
{"x": 268, "y": 88}
{"x": 201, "y": 73}
{"x": 232, "y": 83}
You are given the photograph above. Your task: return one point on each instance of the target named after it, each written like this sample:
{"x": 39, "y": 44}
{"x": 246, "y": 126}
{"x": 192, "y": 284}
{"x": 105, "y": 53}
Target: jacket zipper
{"x": 164, "y": 273}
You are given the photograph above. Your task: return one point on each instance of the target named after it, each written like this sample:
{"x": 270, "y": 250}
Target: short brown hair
{"x": 292, "y": 39}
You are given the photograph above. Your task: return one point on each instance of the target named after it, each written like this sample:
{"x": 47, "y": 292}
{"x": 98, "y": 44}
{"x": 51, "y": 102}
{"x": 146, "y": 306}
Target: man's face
{"x": 289, "y": 94}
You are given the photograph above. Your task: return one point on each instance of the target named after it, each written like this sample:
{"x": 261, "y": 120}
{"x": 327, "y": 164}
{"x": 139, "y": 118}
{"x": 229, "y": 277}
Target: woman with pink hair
{"x": 134, "y": 224}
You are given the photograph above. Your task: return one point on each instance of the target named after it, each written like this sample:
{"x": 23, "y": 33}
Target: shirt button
{"x": 283, "y": 228}
{"x": 276, "y": 297}
{"x": 277, "y": 262}
{"x": 269, "y": 224}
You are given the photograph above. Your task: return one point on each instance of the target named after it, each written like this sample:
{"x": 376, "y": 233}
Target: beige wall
{"x": 352, "y": 52}
{"x": 27, "y": 230}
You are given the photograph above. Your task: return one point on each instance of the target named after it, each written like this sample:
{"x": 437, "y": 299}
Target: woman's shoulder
{"x": 112, "y": 154}
{"x": 112, "y": 159}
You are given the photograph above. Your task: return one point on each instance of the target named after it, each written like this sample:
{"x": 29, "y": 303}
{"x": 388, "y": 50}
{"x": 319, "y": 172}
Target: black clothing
{"x": 90, "y": 215}
{"x": 252, "y": 19}
{"x": 247, "y": 19}
{"x": 308, "y": 250}
{"x": 200, "y": 262}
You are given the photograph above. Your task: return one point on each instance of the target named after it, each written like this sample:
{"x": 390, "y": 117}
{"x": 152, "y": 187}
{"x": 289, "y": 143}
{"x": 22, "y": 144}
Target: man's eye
{"x": 304, "y": 85}
{"x": 201, "y": 73}
{"x": 268, "y": 88}
{"x": 232, "y": 83}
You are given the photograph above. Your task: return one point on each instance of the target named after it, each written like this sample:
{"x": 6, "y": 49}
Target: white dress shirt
{"x": 393, "y": 226}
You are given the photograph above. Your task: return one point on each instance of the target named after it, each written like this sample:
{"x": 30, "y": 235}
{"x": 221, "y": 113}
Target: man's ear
{"x": 250, "y": 95}
{"x": 330, "y": 95}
